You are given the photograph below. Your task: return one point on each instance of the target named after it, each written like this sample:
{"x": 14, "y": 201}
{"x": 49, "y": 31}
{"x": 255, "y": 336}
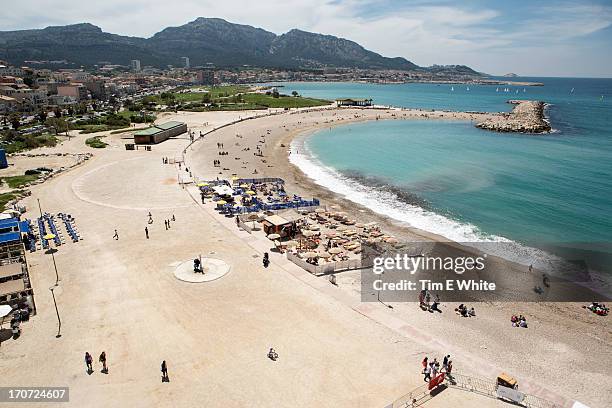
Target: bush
{"x": 96, "y": 143}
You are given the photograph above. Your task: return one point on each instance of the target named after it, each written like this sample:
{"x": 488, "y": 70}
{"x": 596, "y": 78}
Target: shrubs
{"x": 15, "y": 142}
{"x": 96, "y": 143}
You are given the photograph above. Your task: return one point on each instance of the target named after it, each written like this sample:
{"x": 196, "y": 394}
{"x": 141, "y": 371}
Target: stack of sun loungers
{"x": 42, "y": 232}
{"x": 70, "y": 228}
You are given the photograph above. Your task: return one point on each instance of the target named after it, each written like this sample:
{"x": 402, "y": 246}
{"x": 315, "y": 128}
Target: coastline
{"x": 564, "y": 322}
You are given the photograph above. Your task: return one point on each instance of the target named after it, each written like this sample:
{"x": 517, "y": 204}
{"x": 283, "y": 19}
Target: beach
{"x": 557, "y": 328}
{"x": 121, "y": 295}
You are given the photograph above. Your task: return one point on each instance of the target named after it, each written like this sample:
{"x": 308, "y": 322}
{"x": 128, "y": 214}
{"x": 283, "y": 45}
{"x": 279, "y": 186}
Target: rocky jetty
{"x": 526, "y": 117}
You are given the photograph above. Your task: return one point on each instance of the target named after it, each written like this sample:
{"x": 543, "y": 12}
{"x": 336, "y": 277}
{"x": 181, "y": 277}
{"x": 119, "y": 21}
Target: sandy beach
{"x": 121, "y": 295}
{"x": 557, "y": 328}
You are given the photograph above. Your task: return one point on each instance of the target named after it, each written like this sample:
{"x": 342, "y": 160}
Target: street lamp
{"x": 59, "y": 322}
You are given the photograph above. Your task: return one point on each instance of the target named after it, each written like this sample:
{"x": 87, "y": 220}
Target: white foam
{"x": 388, "y": 204}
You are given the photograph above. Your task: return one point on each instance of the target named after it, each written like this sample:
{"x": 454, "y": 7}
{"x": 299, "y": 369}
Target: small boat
{"x": 572, "y": 91}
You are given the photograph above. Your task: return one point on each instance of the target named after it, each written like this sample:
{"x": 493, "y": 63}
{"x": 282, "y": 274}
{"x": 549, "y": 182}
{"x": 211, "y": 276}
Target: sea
{"x": 536, "y": 193}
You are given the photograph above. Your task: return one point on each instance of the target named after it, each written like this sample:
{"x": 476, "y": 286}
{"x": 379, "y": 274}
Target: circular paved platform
{"x": 213, "y": 269}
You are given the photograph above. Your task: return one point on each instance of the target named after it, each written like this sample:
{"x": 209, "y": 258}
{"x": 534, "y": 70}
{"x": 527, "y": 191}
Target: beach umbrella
{"x": 253, "y": 217}
{"x": 324, "y": 255}
{"x": 251, "y": 192}
{"x": 221, "y": 202}
{"x": 234, "y": 178}
{"x": 202, "y": 184}
{"x": 244, "y": 185}
{"x": 310, "y": 254}
{"x": 49, "y": 236}
{"x": 273, "y": 236}
{"x": 291, "y": 243}
{"x": 320, "y": 210}
{"x": 335, "y": 250}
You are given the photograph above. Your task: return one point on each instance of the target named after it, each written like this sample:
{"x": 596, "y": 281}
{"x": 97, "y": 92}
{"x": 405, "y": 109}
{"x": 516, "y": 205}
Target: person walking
{"x": 102, "y": 360}
{"x": 164, "y": 371}
{"x": 88, "y": 362}
{"x": 424, "y": 363}
{"x": 173, "y": 219}
{"x": 147, "y": 232}
{"x": 427, "y": 373}
{"x": 116, "y": 236}
{"x": 445, "y": 362}
{"x": 166, "y": 224}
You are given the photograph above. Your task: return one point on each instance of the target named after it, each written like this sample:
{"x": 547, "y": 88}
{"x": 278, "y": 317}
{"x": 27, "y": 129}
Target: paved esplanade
{"x": 122, "y": 297}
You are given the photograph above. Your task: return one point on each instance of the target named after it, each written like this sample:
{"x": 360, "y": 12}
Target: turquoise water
{"x": 468, "y": 184}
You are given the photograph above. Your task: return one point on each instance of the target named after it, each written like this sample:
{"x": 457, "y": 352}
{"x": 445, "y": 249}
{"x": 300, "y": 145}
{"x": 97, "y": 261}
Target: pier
{"x": 526, "y": 117}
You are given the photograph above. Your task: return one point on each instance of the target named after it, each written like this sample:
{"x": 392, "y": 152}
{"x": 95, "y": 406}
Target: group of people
{"x": 101, "y": 359}
{"x": 432, "y": 368}
{"x": 425, "y": 302}
{"x": 598, "y": 308}
{"x": 216, "y": 163}
{"x": 272, "y": 354}
{"x": 150, "y": 221}
{"x": 518, "y": 321}
{"x": 463, "y": 311}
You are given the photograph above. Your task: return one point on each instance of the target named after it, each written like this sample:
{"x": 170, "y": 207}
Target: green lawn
{"x": 6, "y": 197}
{"x": 19, "y": 181}
{"x": 283, "y": 101}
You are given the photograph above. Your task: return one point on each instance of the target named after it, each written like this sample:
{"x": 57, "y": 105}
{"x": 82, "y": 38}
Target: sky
{"x": 531, "y": 38}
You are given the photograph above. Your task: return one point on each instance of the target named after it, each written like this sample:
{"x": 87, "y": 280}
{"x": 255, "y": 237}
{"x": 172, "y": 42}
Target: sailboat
{"x": 452, "y": 88}
{"x": 572, "y": 91}
{"x": 468, "y": 88}
{"x": 524, "y": 90}
{"x": 496, "y": 89}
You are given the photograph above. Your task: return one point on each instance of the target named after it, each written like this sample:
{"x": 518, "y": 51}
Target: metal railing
{"x": 485, "y": 387}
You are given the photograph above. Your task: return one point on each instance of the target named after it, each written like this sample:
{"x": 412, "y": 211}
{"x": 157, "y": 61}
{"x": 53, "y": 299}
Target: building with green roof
{"x": 159, "y": 133}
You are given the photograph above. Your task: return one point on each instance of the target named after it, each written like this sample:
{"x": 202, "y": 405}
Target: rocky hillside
{"x": 204, "y": 40}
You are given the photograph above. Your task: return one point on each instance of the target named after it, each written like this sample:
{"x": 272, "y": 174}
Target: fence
{"x": 327, "y": 268}
{"x": 489, "y": 389}
{"x": 485, "y": 387}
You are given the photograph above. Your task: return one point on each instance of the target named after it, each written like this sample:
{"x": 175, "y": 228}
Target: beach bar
{"x": 159, "y": 133}
{"x": 354, "y": 102}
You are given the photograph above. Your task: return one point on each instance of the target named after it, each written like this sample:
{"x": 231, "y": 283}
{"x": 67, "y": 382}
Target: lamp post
{"x": 59, "y": 321}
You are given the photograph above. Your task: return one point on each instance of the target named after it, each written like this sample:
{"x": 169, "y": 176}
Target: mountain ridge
{"x": 204, "y": 40}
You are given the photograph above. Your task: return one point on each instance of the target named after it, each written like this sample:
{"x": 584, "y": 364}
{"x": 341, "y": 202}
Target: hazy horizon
{"x": 549, "y": 39}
